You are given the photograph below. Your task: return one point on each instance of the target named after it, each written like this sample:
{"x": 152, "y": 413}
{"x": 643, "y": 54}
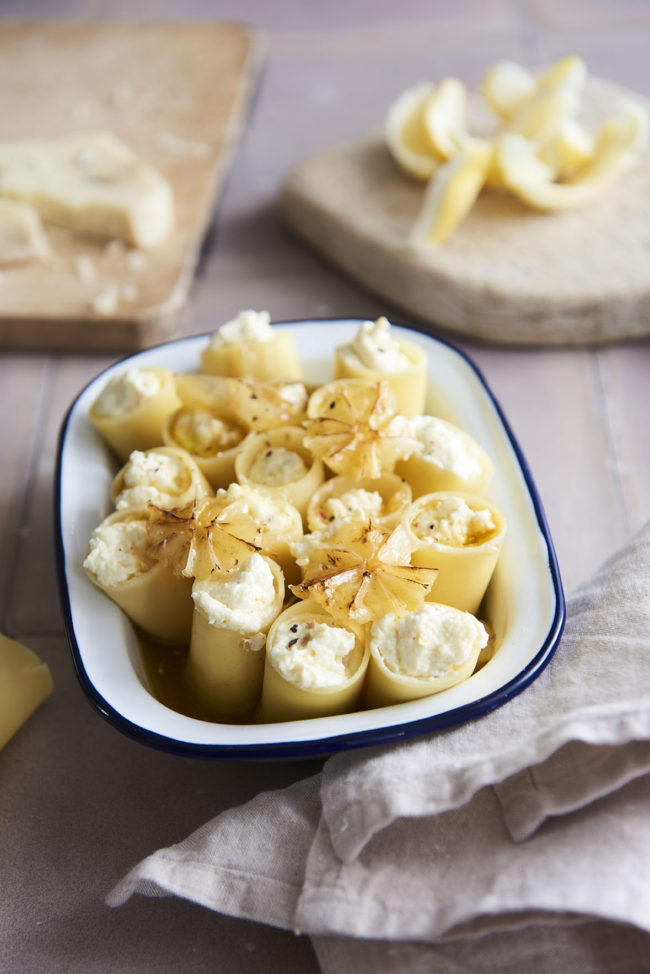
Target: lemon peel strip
{"x": 617, "y": 146}
{"x": 444, "y": 116}
{"x": 452, "y": 194}
{"x": 406, "y": 134}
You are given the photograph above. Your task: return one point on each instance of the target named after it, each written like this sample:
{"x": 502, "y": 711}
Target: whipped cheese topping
{"x": 156, "y": 477}
{"x": 313, "y": 654}
{"x": 247, "y": 326}
{"x": 295, "y": 393}
{"x": 428, "y": 642}
{"x": 126, "y": 391}
{"x": 451, "y": 521}
{"x": 242, "y": 600}
{"x": 377, "y": 349}
{"x": 118, "y": 552}
{"x": 446, "y": 447}
{"x": 270, "y": 515}
{"x": 201, "y": 432}
{"x": 276, "y": 466}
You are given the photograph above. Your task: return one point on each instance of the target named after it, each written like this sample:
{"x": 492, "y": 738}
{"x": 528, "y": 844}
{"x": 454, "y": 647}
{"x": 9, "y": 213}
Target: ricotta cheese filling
{"x": 242, "y": 600}
{"x": 451, "y": 521}
{"x": 312, "y": 654}
{"x": 445, "y": 446}
{"x": 155, "y": 477}
{"x": 428, "y": 642}
{"x": 247, "y": 326}
{"x": 126, "y": 391}
{"x": 376, "y": 348}
{"x": 201, "y": 432}
{"x": 118, "y": 552}
{"x": 272, "y": 516}
{"x": 276, "y": 466}
{"x": 356, "y": 505}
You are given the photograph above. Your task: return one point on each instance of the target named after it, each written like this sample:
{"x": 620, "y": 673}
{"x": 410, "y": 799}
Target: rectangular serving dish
{"x": 524, "y": 603}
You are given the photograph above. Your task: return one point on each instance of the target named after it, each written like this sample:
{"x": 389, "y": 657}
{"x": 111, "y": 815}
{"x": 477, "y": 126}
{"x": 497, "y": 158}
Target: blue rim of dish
{"x": 316, "y": 747}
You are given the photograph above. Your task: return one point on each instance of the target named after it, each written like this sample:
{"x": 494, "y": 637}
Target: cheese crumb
{"x": 85, "y": 269}
{"x": 106, "y": 302}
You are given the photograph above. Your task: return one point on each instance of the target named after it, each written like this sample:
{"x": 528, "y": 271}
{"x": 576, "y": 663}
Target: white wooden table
{"x": 79, "y": 804}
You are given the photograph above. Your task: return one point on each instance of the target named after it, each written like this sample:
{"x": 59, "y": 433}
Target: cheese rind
{"x": 25, "y": 681}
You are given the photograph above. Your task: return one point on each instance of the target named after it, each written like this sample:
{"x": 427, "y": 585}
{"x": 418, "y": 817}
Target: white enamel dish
{"x": 525, "y": 603}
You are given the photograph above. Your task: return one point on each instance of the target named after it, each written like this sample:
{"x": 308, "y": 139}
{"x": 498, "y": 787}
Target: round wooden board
{"x": 509, "y": 274}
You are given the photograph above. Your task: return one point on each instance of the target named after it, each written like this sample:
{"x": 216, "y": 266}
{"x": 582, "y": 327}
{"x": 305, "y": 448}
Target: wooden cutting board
{"x": 177, "y": 94}
{"x": 508, "y": 274}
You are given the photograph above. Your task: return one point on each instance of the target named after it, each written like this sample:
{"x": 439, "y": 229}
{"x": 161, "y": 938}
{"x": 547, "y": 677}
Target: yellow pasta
{"x": 444, "y": 457}
{"x": 279, "y": 463}
{"x": 130, "y": 411}
{"x": 461, "y": 535}
{"x": 212, "y": 441}
{"x": 314, "y": 665}
{"x": 152, "y": 593}
{"x": 391, "y": 496}
{"x": 248, "y": 347}
{"x": 166, "y": 475}
{"x": 424, "y": 652}
{"x": 232, "y": 614}
{"x": 374, "y": 354}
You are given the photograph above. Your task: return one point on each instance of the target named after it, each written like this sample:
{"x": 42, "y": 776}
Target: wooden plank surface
{"x": 177, "y": 94}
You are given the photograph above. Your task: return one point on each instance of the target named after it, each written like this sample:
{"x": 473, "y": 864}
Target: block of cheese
{"x": 90, "y": 182}
{"x": 22, "y": 237}
{"x": 25, "y": 681}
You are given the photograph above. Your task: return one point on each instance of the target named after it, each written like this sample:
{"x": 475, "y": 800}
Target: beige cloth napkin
{"x": 525, "y": 833}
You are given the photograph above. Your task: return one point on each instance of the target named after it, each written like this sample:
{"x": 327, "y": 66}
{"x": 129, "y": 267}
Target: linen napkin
{"x": 524, "y": 832}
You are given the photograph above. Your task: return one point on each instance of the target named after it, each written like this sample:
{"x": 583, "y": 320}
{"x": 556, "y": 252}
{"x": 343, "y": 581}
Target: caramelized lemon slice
{"x": 406, "y": 133}
{"x": 452, "y": 193}
{"x": 363, "y": 573}
{"x": 258, "y": 405}
{"x": 354, "y": 429}
{"x": 199, "y": 540}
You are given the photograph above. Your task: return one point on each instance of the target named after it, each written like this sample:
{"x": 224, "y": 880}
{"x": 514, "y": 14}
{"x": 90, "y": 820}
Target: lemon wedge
{"x": 506, "y": 86}
{"x": 444, "y": 115}
{"x": 569, "y": 73}
{"x": 528, "y": 177}
{"x": 406, "y": 133}
{"x": 570, "y": 147}
{"x": 452, "y": 193}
